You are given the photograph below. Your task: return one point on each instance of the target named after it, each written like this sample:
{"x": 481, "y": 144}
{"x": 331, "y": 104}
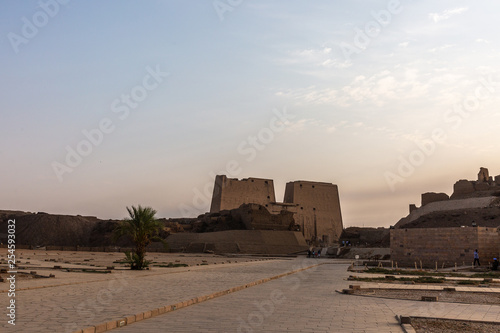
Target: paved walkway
{"x": 302, "y": 302}
{"x": 66, "y": 308}
{"x": 308, "y": 302}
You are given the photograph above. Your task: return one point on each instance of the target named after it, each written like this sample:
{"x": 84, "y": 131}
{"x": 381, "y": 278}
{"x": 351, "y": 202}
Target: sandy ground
{"x": 37, "y": 258}
{"x": 443, "y": 296}
{"x": 77, "y": 267}
{"x": 452, "y": 326}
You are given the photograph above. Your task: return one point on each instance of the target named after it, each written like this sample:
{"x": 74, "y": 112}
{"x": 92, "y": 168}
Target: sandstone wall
{"x": 318, "y": 210}
{"x": 429, "y": 197}
{"x": 443, "y": 245}
{"x": 239, "y": 241}
{"x": 230, "y": 193}
{"x": 462, "y": 187}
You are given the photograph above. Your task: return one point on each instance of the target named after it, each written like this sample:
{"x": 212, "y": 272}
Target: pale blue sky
{"x": 362, "y": 96}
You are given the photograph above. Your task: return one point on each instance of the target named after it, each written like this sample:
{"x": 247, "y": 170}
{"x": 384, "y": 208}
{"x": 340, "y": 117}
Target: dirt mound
{"x": 43, "y": 229}
{"x": 102, "y": 234}
{"x": 366, "y": 237}
{"x": 483, "y": 217}
{"x": 449, "y": 205}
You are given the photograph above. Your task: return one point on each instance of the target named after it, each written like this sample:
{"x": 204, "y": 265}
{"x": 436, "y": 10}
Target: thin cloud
{"x": 441, "y": 48}
{"x": 316, "y": 58}
{"x": 436, "y": 17}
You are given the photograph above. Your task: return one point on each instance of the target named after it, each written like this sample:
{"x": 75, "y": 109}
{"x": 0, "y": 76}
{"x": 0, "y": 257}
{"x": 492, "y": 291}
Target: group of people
{"x": 313, "y": 253}
{"x": 494, "y": 264}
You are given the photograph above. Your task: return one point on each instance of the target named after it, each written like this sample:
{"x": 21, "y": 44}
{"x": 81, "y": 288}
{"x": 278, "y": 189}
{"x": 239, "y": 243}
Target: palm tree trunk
{"x": 140, "y": 250}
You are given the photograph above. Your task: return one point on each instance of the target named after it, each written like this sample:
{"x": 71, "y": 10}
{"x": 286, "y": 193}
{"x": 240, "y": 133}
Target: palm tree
{"x": 143, "y": 228}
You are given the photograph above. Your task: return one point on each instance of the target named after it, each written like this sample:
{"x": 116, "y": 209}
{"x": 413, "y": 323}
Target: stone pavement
{"x": 77, "y": 305}
{"x": 305, "y": 302}
{"x": 301, "y": 302}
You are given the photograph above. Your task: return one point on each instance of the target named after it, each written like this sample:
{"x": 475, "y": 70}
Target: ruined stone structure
{"x": 448, "y": 229}
{"x": 484, "y": 186}
{"x": 443, "y": 246}
{"x": 315, "y": 206}
{"x": 429, "y": 197}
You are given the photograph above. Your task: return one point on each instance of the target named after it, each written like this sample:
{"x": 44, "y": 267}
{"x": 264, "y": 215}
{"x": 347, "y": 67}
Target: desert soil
{"x": 422, "y": 325}
{"x": 443, "y": 296}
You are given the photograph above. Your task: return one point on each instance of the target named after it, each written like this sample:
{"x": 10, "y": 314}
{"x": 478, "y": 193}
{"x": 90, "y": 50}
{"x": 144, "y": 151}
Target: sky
{"x": 108, "y": 104}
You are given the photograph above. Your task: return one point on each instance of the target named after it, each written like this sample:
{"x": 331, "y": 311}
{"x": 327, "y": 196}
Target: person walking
{"x": 476, "y": 258}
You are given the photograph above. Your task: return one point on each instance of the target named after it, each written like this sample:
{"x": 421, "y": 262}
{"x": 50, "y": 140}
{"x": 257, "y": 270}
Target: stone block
{"x": 101, "y": 328}
{"x": 429, "y": 298}
{"x": 147, "y": 314}
{"x": 347, "y": 291}
{"x": 111, "y": 324}
{"x": 354, "y": 286}
{"x": 405, "y": 320}
{"x": 89, "y": 330}
{"x": 130, "y": 319}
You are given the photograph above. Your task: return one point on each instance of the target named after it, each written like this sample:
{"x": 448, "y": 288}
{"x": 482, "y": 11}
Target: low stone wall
{"x": 444, "y": 246}
{"x": 239, "y": 241}
{"x": 229, "y": 241}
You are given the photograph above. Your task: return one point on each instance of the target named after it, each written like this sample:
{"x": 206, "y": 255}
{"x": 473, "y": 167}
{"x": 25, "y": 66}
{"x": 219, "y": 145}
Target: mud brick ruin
{"x": 315, "y": 206}
{"x": 447, "y": 229}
